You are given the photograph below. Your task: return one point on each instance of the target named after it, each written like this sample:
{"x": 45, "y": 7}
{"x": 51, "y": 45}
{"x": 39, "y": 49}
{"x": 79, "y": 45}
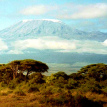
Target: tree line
{"x": 26, "y": 76}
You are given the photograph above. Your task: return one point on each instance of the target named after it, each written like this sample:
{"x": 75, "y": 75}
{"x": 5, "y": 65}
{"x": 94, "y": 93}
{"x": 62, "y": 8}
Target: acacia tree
{"x": 97, "y": 71}
{"x": 14, "y": 65}
{"x": 27, "y": 65}
{"x": 31, "y": 65}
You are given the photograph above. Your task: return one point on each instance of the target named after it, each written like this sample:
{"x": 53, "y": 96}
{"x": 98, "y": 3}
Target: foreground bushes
{"x": 59, "y": 80}
{"x": 58, "y": 89}
{"x": 65, "y": 100}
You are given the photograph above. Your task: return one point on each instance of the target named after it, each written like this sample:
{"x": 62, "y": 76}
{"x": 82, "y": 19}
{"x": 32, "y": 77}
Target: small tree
{"x": 27, "y": 65}
{"x": 61, "y": 74}
{"x": 97, "y": 71}
{"x": 76, "y": 76}
{"x": 14, "y": 65}
{"x": 31, "y": 65}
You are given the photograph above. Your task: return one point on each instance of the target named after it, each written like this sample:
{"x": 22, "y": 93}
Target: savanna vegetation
{"x": 22, "y": 84}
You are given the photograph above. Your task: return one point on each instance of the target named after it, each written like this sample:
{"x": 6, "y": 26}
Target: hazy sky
{"x": 86, "y": 15}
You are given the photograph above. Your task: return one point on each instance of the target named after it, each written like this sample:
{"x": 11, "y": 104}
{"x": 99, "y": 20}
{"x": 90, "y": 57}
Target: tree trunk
{"x": 27, "y": 73}
{"x": 14, "y": 69}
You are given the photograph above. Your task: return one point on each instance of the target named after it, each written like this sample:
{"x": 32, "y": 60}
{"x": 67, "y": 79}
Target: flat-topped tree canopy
{"x": 96, "y": 71}
{"x": 15, "y": 62}
{"x": 29, "y": 65}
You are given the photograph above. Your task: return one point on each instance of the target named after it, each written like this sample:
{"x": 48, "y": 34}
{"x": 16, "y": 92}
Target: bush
{"x": 76, "y": 76}
{"x": 36, "y": 78}
{"x": 46, "y": 90}
{"x": 3, "y": 84}
{"x": 13, "y": 83}
{"x": 33, "y": 88}
{"x": 19, "y": 92}
{"x": 61, "y": 74}
{"x": 60, "y": 82}
{"x": 81, "y": 101}
{"x": 104, "y": 90}
{"x": 71, "y": 84}
{"x": 57, "y": 90}
{"x": 90, "y": 87}
{"x": 50, "y": 79}
{"x": 60, "y": 101}
{"x": 4, "y": 94}
{"x": 21, "y": 77}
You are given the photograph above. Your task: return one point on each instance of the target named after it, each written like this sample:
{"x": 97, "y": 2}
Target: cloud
{"x": 68, "y": 11}
{"x": 59, "y": 45}
{"x": 15, "y": 52}
{"x": 105, "y": 43}
{"x": 91, "y": 11}
{"x": 35, "y": 10}
{"x": 54, "y": 43}
{"x": 91, "y": 47}
{"x": 87, "y": 46}
{"x": 3, "y": 46}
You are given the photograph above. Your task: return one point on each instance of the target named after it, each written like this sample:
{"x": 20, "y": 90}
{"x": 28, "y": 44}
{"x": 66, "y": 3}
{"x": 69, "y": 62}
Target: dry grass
{"x": 32, "y": 99}
{"x": 8, "y": 98}
{"x": 96, "y": 97}
{"x": 12, "y": 100}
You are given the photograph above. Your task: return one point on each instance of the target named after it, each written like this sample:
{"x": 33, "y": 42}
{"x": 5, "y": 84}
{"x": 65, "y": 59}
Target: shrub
{"x": 46, "y": 90}
{"x": 71, "y": 84}
{"x": 56, "y": 90}
{"x": 19, "y": 92}
{"x": 91, "y": 85}
{"x": 13, "y": 83}
{"x": 36, "y": 78}
{"x": 50, "y": 79}
{"x": 104, "y": 90}
{"x": 3, "y": 93}
{"x": 33, "y": 88}
{"x": 59, "y": 101}
{"x": 44, "y": 99}
{"x": 61, "y": 74}
{"x": 60, "y": 82}
{"x": 3, "y": 84}
{"x": 20, "y": 77}
{"x": 81, "y": 101}
{"x": 76, "y": 76}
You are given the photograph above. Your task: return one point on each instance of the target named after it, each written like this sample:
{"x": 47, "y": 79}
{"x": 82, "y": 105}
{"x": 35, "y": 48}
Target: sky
{"x": 86, "y": 15}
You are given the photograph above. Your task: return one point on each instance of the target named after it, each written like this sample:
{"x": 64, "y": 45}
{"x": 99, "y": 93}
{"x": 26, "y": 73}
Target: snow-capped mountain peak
{"x": 52, "y": 20}
{"x": 47, "y": 27}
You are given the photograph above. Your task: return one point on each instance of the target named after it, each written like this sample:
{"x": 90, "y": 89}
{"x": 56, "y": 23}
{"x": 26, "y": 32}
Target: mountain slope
{"x": 37, "y": 28}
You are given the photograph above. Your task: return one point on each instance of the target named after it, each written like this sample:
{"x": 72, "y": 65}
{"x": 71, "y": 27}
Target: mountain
{"x": 48, "y": 27}
{"x": 53, "y": 42}
{"x": 35, "y": 28}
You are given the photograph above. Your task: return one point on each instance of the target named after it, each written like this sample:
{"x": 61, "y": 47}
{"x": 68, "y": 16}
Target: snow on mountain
{"x": 52, "y": 20}
{"x": 34, "y": 28}
{"x": 48, "y": 27}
